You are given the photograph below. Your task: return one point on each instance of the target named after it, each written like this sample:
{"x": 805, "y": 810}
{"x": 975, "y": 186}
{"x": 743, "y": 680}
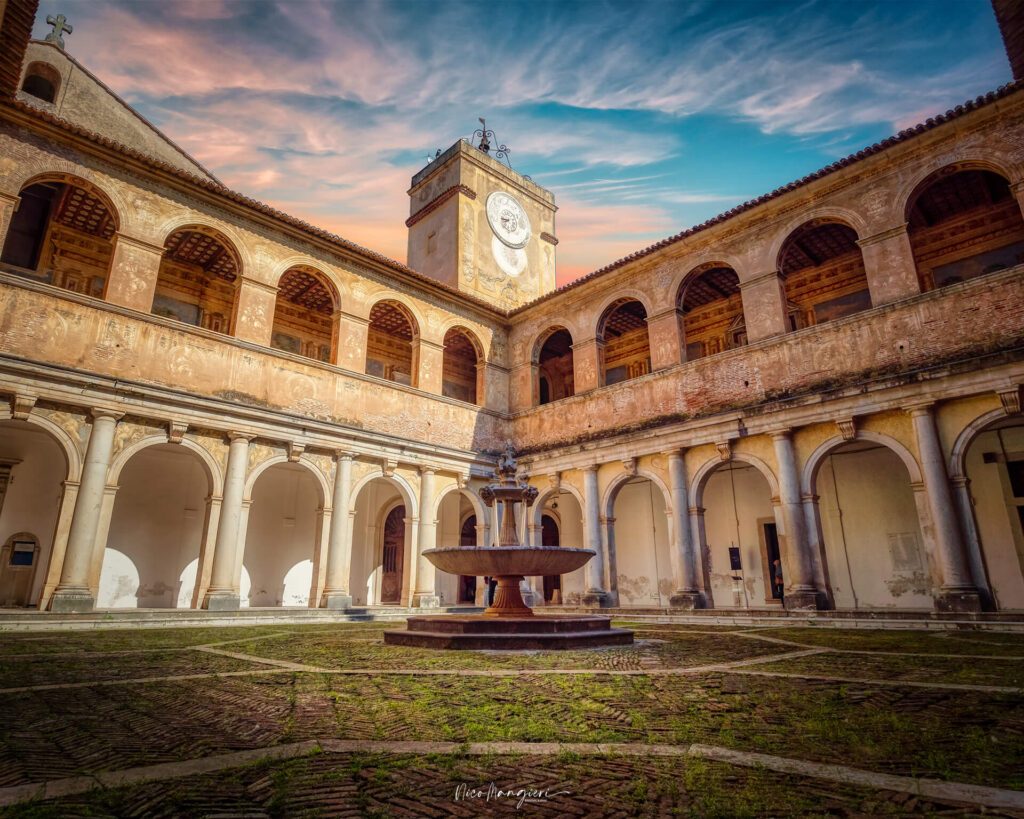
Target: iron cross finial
{"x": 60, "y": 25}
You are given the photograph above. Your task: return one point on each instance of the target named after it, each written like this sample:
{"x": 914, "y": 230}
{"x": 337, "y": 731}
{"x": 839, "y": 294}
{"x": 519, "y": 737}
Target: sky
{"x": 642, "y": 118}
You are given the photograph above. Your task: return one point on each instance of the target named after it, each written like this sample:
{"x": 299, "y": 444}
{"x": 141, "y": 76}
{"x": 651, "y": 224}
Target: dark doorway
{"x": 467, "y": 584}
{"x": 28, "y": 226}
{"x": 392, "y": 557}
{"x": 771, "y": 542}
{"x": 549, "y": 537}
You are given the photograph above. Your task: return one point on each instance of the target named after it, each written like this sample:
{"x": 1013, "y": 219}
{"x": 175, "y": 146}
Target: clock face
{"x": 508, "y": 220}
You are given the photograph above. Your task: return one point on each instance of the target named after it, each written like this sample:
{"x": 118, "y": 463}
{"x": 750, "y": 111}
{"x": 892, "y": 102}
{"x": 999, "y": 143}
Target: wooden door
{"x": 393, "y": 556}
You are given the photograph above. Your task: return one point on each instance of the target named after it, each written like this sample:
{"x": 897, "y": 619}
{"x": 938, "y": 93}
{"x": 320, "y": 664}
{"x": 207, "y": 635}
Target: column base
{"x": 336, "y": 601}
{"x": 426, "y": 600}
{"x": 800, "y": 601}
{"x": 958, "y": 601}
{"x": 686, "y": 600}
{"x": 222, "y": 601}
{"x": 72, "y": 601}
{"x": 597, "y": 599}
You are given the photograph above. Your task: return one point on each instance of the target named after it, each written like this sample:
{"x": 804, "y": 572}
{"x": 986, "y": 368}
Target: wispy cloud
{"x": 326, "y": 109}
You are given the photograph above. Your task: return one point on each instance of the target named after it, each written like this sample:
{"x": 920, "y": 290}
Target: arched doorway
{"x": 557, "y": 520}
{"x": 391, "y": 343}
{"x": 33, "y": 469}
{"x": 712, "y": 311}
{"x": 640, "y": 544}
{"x": 740, "y": 537}
{"x": 461, "y": 373}
{"x": 156, "y": 530}
{"x": 555, "y": 373}
{"x": 871, "y": 532}
{"x": 964, "y": 223}
{"x": 196, "y": 281}
{"x": 281, "y": 537}
{"x": 305, "y": 314}
{"x": 457, "y": 525}
{"x": 994, "y": 466}
{"x": 62, "y": 234}
{"x": 381, "y": 545}
{"x": 823, "y": 269}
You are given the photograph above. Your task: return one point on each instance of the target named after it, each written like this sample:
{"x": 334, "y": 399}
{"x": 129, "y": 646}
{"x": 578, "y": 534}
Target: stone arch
{"x": 552, "y": 368}
{"x": 965, "y": 438}
{"x": 824, "y": 213}
{"x": 213, "y": 471}
{"x": 700, "y": 477}
{"x": 709, "y": 307}
{"x": 401, "y": 484}
{"x": 537, "y": 510}
{"x": 203, "y": 223}
{"x": 69, "y": 447}
{"x": 327, "y": 272}
{"x": 909, "y": 191}
{"x": 478, "y": 505}
{"x": 618, "y": 297}
{"x": 306, "y": 314}
{"x": 53, "y": 169}
{"x": 321, "y": 480}
{"x": 813, "y": 463}
{"x": 99, "y": 189}
{"x": 702, "y": 262}
{"x": 624, "y": 340}
{"x": 542, "y": 337}
{"x": 402, "y": 300}
{"x": 613, "y": 488}
{"x": 462, "y": 365}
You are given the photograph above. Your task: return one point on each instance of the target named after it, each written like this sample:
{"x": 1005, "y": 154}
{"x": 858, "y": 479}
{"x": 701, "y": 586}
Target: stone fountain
{"x": 508, "y": 623}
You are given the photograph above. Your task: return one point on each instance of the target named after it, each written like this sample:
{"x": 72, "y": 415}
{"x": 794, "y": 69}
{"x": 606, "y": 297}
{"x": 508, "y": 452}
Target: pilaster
{"x": 254, "y": 311}
{"x": 134, "y": 269}
{"x": 588, "y": 364}
{"x": 889, "y": 265}
{"x": 665, "y": 331}
{"x": 764, "y": 306}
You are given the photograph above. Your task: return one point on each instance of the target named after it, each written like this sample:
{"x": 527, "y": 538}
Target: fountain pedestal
{"x": 508, "y": 623}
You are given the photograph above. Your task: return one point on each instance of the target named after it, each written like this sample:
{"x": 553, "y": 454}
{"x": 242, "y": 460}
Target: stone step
{"x": 509, "y": 642}
{"x": 463, "y": 624}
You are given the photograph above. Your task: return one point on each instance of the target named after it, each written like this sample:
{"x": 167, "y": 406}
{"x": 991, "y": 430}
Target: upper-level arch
{"x": 553, "y": 366}
{"x": 462, "y": 368}
{"x": 963, "y": 221}
{"x": 41, "y": 81}
{"x": 306, "y": 314}
{"x": 626, "y": 348}
{"x": 393, "y": 342}
{"x": 62, "y": 233}
{"x": 196, "y": 283}
{"x": 823, "y": 272}
{"x": 712, "y": 307}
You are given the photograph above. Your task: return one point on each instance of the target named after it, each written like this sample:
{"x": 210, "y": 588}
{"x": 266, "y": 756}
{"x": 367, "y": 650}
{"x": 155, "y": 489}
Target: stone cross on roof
{"x": 60, "y": 25}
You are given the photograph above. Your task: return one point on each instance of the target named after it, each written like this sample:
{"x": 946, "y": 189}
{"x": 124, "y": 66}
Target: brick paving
{"x": 49, "y": 734}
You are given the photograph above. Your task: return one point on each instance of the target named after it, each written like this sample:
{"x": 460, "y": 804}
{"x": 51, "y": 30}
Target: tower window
{"x": 42, "y": 82}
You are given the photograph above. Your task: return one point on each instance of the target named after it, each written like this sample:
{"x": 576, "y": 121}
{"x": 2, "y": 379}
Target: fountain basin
{"x": 502, "y": 561}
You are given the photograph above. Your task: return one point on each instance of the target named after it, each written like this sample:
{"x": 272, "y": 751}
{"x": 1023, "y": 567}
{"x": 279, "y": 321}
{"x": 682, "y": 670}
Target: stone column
{"x": 425, "y": 596}
{"x": 134, "y": 268}
{"x": 1017, "y": 188}
{"x": 339, "y": 546}
{"x": 73, "y": 594}
{"x": 587, "y": 364}
{"x": 222, "y": 594}
{"x": 524, "y": 380}
{"x": 352, "y": 335}
{"x": 431, "y": 367}
{"x": 889, "y": 265}
{"x": 8, "y": 205}
{"x": 665, "y": 336}
{"x": 254, "y": 311}
{"x": 972, "y": 540}
{"x": 800, "y": 590}
{"x": 684, "y": 559}
{"x": 958, "y": 592}
{"x": 493, "y": 387}
{"x": 596, "y": 594}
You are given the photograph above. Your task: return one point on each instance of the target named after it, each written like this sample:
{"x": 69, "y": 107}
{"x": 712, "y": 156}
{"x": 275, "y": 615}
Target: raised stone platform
{"x": 460, "y": 631}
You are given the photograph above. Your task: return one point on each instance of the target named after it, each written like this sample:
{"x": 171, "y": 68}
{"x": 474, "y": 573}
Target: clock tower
{"x": 479, "y": 226}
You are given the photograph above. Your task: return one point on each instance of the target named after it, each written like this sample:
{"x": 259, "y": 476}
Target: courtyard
{"x": 694, "y": 719}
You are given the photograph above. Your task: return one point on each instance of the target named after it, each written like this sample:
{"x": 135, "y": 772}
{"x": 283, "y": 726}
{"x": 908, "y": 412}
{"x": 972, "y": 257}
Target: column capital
{"x": 101, "y": 412}
{"x": 678, "y": 452}
{"x": 426, "y": 470}
{"x": 589, "y": 468}
{"x": 920, "y": 408}
{"x": 141, "y": 243}
{"x": 758, "y": 278}
{"x": 235, "y": 435}
{"x": 784, "y": 434}
{"x": 588, "y": 342}
{"x": 249, "y": 281}
{"x": 344, "y": 455}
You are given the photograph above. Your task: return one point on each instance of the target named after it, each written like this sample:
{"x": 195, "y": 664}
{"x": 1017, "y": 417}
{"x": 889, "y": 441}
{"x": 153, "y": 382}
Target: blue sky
{"x": 642, "y": 118}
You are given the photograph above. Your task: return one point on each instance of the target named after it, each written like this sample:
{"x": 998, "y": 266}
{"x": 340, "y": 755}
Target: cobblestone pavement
{"x": 673, "y": 688}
